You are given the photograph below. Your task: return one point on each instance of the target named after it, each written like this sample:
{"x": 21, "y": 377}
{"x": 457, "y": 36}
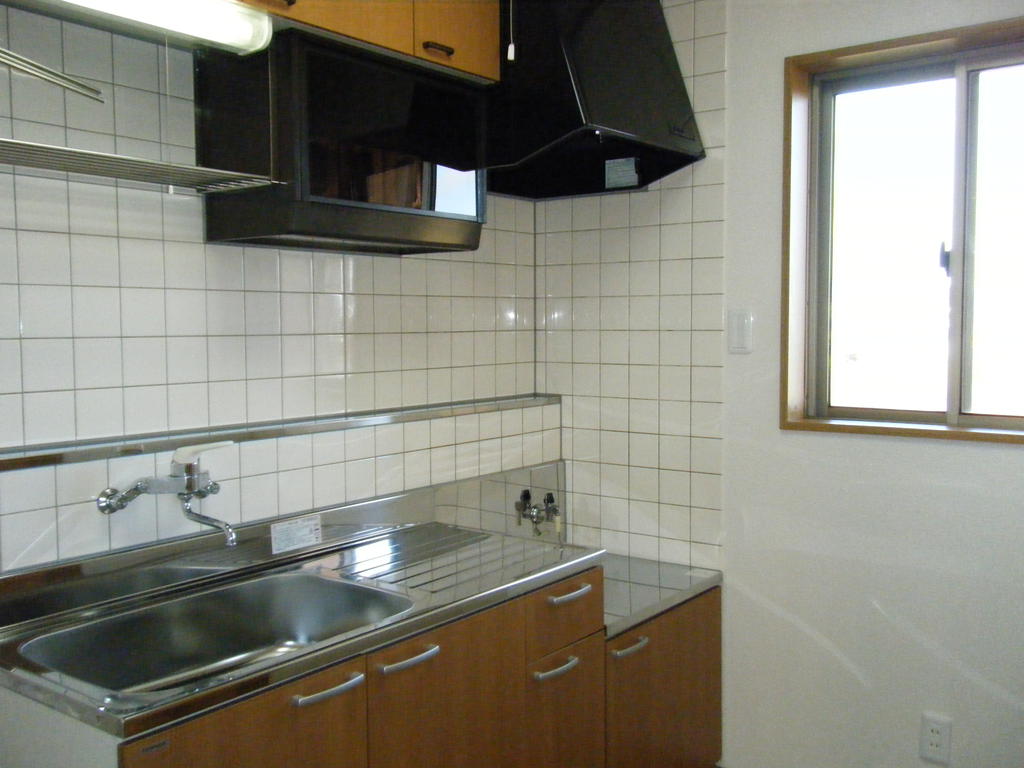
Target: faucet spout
{"x": 186, "y": 507}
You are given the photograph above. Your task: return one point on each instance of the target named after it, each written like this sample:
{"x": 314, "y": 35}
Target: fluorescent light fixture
{"x": 223, "y": 23}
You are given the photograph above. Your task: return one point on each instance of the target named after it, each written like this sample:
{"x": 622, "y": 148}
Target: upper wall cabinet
{"x": 387, "y": 24}
{"x": 459, "y": 33}
{"x": 462, "y": 34}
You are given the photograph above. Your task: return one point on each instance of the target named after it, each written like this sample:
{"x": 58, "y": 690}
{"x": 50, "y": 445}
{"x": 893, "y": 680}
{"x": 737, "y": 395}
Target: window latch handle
{"x": 944, "y": 254}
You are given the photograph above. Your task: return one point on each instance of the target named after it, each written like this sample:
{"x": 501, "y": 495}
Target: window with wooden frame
{"x": 903, "y": 247}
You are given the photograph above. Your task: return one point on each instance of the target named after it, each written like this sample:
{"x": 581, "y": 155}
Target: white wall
{"x": 869, "y": 578}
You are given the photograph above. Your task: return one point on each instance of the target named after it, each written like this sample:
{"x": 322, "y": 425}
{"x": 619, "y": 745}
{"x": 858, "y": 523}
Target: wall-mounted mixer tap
{"x": 186, "y": 480}
{"x": 535, "y": 513}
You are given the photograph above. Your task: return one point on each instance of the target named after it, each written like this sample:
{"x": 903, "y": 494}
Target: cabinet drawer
{"x": 564, "y": 612}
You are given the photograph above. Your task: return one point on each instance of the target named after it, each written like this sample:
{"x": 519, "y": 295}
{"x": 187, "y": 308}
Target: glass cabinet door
{"x": 385, "y": 136}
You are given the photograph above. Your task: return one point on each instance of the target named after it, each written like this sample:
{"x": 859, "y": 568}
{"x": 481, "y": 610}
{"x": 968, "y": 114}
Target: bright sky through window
{"x": 892, "y": 208}
{"x": 996, "y": 343}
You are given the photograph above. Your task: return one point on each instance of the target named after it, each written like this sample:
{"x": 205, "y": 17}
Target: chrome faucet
{"x": 186, "y": 480}
{"x": 535, "y": 513}
{"x": 231, "y": 538}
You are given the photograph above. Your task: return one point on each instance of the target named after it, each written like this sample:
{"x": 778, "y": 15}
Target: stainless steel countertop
{"x": 636, "y": 590}
{"x": 447, "y": 572}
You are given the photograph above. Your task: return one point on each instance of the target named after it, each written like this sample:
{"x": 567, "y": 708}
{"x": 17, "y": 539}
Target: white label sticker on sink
{"x": 293, "y": 534}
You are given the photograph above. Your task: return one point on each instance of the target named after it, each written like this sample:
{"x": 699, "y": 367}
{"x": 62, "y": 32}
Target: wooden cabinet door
{"x": 388, "y": 23}
{"x": 664, "y": 689}
{"x": 563, "y": 724}
{"x": 318, "y": 721}
{"x": 463, "y": 34}
{"x": 451, "y": 697}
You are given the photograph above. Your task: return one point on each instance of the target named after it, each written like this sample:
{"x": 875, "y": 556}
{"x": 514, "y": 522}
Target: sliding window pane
{"x": 892, "y": 205}
{"x": 996, "y": 244}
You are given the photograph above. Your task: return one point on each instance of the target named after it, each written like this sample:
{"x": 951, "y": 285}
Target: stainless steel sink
{"x": 166, "y": 645}
{"x": 88, "y": 590}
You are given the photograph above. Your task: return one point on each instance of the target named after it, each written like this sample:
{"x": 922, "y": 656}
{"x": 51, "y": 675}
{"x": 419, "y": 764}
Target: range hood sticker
{"x": 620, "y": 172}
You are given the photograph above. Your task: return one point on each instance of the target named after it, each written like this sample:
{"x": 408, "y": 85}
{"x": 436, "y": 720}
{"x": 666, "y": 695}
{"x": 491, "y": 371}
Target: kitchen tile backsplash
{"x": 116, "y": 318}
{"x": 49, "y": 513}
{"x": 630, "y": 332}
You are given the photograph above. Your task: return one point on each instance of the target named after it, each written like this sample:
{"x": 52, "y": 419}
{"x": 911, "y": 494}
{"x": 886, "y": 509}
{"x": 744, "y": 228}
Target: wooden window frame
{"x": 798, "y": 249}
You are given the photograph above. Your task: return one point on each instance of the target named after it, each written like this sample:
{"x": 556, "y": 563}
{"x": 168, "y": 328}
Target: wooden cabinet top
{"x": 460, "y": 34}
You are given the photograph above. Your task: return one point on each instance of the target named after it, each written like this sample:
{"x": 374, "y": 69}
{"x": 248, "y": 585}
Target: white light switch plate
{"x": 741, "y": 332}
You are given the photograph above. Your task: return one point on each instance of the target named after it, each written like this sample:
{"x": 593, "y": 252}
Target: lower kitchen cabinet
{"x": 530, "y": 682}
{"x": 318, "y": 721}
{"x": 451, "y": 697}
{"x": 664, "y": 689}
{"x": 563, "y": 723}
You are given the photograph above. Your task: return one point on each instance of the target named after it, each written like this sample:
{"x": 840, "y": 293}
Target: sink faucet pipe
{"x": 231, "y": 538}
{"x": 111, "y": 500}
{"x": 187, "y": 480}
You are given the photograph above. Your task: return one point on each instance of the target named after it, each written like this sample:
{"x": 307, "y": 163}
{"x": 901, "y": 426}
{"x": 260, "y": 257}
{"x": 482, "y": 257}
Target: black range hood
{"x": 594, "y": 101}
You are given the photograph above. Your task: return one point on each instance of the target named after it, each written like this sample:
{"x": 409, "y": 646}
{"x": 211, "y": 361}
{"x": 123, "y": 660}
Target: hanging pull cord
{"x": 510, "y": 54}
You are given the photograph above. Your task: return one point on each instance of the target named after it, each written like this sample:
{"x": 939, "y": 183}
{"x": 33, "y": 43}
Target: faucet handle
{"x": 185, "y": 464}
{"x": 189, "y": 454}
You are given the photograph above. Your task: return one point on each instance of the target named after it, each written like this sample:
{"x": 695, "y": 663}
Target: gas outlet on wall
{"x": 936, "y": 731}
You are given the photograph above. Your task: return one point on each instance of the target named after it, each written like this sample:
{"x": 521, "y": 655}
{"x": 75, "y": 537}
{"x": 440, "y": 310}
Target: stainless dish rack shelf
{"x": 68, "y": 160}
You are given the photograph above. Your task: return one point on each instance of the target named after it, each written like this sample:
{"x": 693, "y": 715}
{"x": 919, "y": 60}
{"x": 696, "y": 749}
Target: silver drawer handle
{"x": 557, "y": 671}
{"x": 398, "y": 666}
{"x": 639, "y": 645}
{"x": 560, "y": 599}
{"x": 315, "y": 698}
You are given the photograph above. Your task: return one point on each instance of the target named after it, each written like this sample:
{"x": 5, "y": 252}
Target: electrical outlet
{"x": 936, "y": 731}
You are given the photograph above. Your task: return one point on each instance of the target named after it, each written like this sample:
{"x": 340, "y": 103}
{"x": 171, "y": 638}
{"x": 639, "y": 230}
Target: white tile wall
{"x": 630, "y": 330}
{"x": 116, "y": 318}
{"x": 49, "y": 513}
